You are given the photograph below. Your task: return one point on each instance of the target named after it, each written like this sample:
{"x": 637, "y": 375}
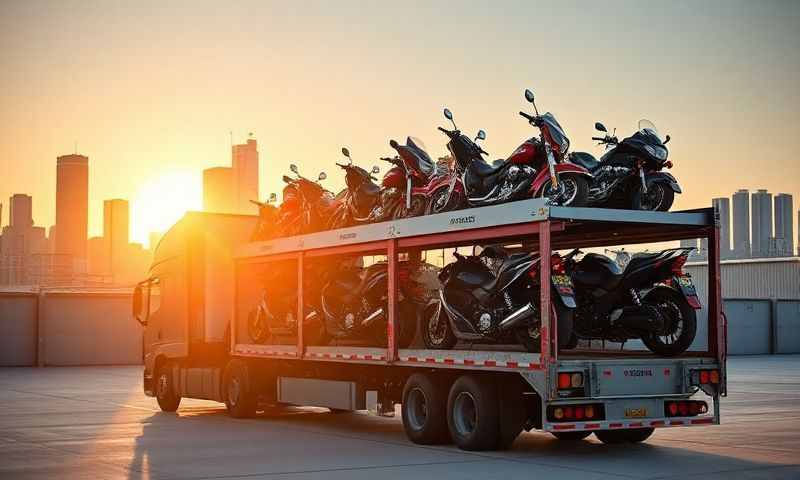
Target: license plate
{"x": 635, "y": 412}
{"x": 686, "y": 285}
{"x": 562, "y": 281}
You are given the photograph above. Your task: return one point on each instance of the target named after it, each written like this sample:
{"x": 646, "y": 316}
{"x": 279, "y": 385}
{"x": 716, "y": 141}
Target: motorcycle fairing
{"x": 663, "y": 177}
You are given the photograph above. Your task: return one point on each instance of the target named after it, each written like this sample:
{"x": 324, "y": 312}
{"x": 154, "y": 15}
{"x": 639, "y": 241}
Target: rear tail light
{"x": 685, "y": 408}
{"x": 705, "y": 377}
{"x": 570, "y": 380}
{"x": 557, "y": 264}
{"x": 677, "y": 265}
{"x": 569, "y": 413}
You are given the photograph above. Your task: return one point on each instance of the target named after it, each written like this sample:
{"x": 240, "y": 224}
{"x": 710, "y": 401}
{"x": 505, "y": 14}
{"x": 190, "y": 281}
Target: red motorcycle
{"x": 306, "y": 206}
{"x": 410, "y": 184}
{"x": 564, "y": 183}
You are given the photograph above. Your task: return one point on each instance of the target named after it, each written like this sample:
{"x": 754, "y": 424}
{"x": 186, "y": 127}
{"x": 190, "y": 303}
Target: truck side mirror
{"x": 138, "y": 303}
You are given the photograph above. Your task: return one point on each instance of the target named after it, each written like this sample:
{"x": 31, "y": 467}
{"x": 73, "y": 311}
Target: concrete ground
{"x": 96, "y": 423}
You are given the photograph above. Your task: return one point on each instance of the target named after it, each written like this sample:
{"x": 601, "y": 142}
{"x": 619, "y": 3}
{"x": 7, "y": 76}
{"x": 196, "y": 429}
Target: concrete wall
{"x": 68, "y": 327}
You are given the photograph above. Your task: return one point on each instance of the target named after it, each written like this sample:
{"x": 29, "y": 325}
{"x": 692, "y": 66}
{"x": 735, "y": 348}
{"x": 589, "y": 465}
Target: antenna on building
{"x": 231, "y": 134}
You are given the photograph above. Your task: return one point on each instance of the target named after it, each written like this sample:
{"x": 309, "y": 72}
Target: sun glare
{"x": 162, "y": 201}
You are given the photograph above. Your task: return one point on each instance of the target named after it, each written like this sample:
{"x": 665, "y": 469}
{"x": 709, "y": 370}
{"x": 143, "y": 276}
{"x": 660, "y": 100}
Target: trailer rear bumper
{"x": 628, "y": 424}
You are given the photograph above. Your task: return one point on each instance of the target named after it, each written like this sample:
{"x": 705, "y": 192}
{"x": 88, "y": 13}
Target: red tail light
{"x": 705, "y": 377}
{"x": 685, "y": 408}
{"x": 569, "y": 413}
{"x": 557, "y": 264}
{"x": 677, "y": 265}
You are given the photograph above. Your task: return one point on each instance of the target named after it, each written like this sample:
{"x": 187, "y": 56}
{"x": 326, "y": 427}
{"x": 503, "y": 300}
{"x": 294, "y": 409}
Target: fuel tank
{"x": 597, "y": 271}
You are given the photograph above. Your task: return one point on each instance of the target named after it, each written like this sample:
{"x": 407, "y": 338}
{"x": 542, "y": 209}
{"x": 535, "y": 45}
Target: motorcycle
{"x": 306, "y": 205}
{"x": 420, "y": 180}
{"x": 361, "y": 201}
{"x": 494, "y": 297}
{"x": 629, "y": 174}
{"x": 268, "y": 215}
{"x": 650, "y": 299}
{"x": 564, "y": 183}
{"x": 355, "y": 302}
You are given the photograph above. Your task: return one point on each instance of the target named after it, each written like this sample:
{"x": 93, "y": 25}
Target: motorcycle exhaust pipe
{"x": 516, "y": 316}
{"x": 372, "y": 317}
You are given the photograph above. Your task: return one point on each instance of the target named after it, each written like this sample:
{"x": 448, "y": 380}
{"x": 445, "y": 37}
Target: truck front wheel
{"x": 168, "y": 399}
{"x": 424, "y": 410}
{"x": 240, "y": 399}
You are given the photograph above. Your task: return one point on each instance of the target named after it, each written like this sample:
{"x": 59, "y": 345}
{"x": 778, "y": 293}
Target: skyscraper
{"x": 115, "y": 230}
{"x": 21, "y": 210}
{"x": 19, "y": 241}
{"x": 219, "y": 194}
{"x": 761, "y": 208}
{"x": 784, "y": 229}
{"x": 245, "y": 175}
{"x": 72, "y": 208}
{"x": 741, "y": 224}
{"x": 723, "y": 208}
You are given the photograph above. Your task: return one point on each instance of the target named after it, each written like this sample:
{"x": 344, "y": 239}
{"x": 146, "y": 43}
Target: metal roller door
{"x": 787, "y": 327}
{"x": 748, "y": 326}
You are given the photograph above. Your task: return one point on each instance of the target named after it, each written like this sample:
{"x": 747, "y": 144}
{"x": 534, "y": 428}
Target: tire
{"x": 257, "y": 326}
{"x": 634, "y": 435}
{"x": 424, "y": 410}
{"x": 473, "y": 414}
{"x": 240, "y": 398}
{"x": 166, "y": 396}
{"x": 658, "y": 198}
{"x": 675, "y": 308}
{"x": 436, "y": 331}
{"x": 437, "y": 205}
{"x": 577, "y": 184}
{"x": 571, "y": 436}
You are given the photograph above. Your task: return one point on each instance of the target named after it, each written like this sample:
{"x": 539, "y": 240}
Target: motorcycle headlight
{"x": 659, "y": 153}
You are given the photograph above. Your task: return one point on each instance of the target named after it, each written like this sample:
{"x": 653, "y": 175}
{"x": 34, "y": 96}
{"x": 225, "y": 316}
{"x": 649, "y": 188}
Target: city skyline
{"x": 170, "y": 83}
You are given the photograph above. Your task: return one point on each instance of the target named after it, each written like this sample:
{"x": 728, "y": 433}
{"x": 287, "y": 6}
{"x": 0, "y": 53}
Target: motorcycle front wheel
{"x": 572, "y": 191}
{"x": 657, "y": 198}
{"x": 681, "y": 323}
{"x": 439, "y": 202}
{"x": 436, "y": 331}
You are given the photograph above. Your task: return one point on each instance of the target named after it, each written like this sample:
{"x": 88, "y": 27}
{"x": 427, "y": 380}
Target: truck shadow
{"x": 205, "y": 436}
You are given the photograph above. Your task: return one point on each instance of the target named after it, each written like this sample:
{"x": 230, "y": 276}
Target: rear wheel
{"x": 658, "y": 197}
{"x": 241, "y": 399}
{"x": 473, "y": 414}
{"x": 572, "y": 191}
{"x": 436, "y": 331}
{"x": 424, "y": 410}
{"x": 571, "y": 436}
{"x": 166, "y": 396}
{"x": 680, "y": 322}
{"x": 633, "y": 435}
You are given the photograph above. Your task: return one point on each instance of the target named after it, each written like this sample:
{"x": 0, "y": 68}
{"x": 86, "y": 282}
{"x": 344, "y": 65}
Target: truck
{"x": 207, "y": 278}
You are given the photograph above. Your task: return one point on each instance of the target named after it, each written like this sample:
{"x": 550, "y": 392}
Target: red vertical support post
{"x": 301, "y": 314}
{"x": 715, "y": 345}
{"x": 548, "y": 331}
{"x": 392, "y": 323}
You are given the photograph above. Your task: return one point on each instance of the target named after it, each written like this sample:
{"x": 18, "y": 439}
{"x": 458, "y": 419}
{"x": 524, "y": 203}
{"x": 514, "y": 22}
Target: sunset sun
{"x": 162, "y": 201}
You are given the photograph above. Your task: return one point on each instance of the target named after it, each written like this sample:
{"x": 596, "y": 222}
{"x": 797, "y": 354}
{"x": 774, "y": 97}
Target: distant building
{"x": 723, "y": 208}
{"x": 219, "y": 193}
{"x": 784, "y": 228}
{"x": 741, "y": 224}
{"x": 244, "y": 160}
{"x": 21, "y": 210}
{"x": 761, "y": 226}
{"x": 19, "y": 241}
{"x": 72, "y": 208}
{"x": 115, "y": 230}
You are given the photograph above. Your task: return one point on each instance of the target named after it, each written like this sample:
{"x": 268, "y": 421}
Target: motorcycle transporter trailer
{"x": 197, "y": 343}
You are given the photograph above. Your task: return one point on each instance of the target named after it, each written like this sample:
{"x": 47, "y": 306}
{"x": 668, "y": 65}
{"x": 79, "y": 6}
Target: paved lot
{"x": 95, "y": 423}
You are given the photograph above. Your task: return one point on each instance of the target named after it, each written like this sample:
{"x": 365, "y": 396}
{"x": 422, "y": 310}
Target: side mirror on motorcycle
{"x": 376, "y": 170}
{"x": 293, "y": 168}
{"x": 529, "y": 95}
{"x": 666, "y": 140}
{"x": 449, "y": 115}
{"x": 346, "y": 153}
{"x": 600, "y": 127}
{"x": 272, "y": 198}
{"x": 393, "y": 143}
{"x": 480, "y": 136}
{"x": 322, "y": 176}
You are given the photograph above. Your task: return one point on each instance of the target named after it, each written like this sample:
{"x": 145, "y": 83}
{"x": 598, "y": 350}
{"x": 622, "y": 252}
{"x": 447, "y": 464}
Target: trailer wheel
{"x": 571, "y": 436}
{"x": 473, "y": 414}
{"x": 633, "y": 435}
{"x": 168, "y": 399}
{"x": 240, "y": 399}
{"x": 424, "y": 410}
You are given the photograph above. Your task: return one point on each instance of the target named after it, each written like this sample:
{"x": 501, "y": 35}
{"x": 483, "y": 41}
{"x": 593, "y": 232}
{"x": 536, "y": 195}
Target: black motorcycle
{"x": 360, "y": 203}
{"x": 629, "y": 174}
{"x": 493, "y": 297}
{"x": 355, "y": 302}
{"x": 650, "y": 299}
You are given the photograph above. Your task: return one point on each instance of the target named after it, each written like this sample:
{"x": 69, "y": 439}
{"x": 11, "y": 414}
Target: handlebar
{"x": 572, "y": 254}
{"x": 530, "y": 118}
{"x": 342, "y": 165}
{"x": 287, "y": 179}
{"x": 599, "y": 139}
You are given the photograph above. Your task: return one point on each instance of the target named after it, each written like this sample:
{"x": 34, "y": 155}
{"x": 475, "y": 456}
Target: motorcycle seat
{"x": 585, "y": 160}
{"x": 370, "y": 189}
{"x": 483, "y": 169}
{"x": 508, "y": 265}
{"x": 498, "y": 163}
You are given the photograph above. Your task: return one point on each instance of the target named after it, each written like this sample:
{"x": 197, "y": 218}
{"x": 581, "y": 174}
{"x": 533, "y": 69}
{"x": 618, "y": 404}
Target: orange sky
{"x": 150, "y": 92}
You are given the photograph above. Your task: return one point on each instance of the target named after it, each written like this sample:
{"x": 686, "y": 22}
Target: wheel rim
{"x": 234, "y": 390}
{"x": 417, "y": 410}
{"x": 674, "y": 317}
{"x": 437, "y": 329}
{"x": 439, "y": 202}
{"x": 653, "y": 198}
{"x": 565, "y": 193}
{"x": 465, "y": 414}
{"x": 163, "y": 386}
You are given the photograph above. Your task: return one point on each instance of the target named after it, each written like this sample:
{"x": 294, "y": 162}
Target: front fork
{"x": 408, "y": 193}
{"x": 551, "y": 166}
{"x": 641, "y": 177}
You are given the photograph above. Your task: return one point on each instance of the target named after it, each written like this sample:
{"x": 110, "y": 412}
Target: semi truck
{"x": 208, "y": 278}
